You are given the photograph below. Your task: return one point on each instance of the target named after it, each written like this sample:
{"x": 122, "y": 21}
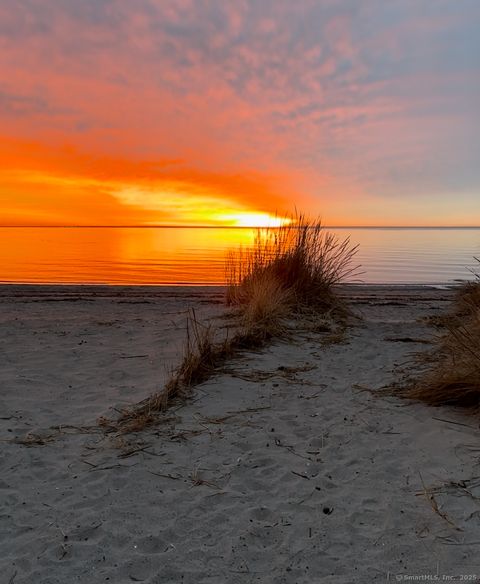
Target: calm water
{"x": 197, "y": 255}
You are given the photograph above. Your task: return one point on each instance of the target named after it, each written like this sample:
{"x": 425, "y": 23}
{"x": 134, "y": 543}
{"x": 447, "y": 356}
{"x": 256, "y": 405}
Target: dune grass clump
{"x": 288, "y": 271}
{"x": 454, "y": 377}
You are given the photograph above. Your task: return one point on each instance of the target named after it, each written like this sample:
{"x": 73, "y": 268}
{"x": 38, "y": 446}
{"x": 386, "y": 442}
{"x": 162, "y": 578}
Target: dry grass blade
{"x": 200, "y": 355}
{"x": 32, "y": 439}
{"x": 429, "y": 494}
{"x": 197, "y": 481}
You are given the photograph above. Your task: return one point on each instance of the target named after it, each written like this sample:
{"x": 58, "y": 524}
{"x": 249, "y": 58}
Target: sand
{"x": 280, "y": 469}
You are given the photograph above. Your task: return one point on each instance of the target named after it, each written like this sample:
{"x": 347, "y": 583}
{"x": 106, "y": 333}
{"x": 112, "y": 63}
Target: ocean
{"x": 196, "y": 256}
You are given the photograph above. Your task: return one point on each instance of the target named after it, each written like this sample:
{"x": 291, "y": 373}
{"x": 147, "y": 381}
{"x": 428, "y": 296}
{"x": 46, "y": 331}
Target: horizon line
{"x": 234, "y": 226}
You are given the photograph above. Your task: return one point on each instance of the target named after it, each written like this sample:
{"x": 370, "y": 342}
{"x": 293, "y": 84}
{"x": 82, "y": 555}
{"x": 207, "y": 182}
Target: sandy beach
{"x": 280, "y": 469}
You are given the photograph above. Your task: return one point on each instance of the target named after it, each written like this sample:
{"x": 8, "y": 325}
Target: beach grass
{"x": 290, "y": 270}
{"x": 453, "y": 377}
{"x": 201, "y": 357}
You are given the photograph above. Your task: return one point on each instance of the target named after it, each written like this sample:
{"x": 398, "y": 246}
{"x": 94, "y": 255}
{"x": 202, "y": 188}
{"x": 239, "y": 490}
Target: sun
{"x": 254, "y": 219}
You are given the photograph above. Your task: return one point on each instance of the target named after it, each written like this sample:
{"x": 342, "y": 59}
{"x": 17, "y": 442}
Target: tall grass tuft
{"x": 290, "y": 269}
{"x": 454, "y": 378}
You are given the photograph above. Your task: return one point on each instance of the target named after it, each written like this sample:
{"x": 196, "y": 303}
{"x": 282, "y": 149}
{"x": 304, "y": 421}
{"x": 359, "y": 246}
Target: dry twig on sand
{"x": 433, "y": 503}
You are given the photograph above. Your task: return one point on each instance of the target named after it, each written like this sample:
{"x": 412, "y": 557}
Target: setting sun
{"x": 251, "y": 219}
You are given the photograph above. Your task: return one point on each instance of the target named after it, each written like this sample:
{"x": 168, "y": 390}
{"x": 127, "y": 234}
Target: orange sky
{"x": 42, "y": 185}
{"x": 179, "y": 112}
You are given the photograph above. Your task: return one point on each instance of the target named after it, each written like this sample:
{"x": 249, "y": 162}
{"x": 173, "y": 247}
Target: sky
{"x": 114, "y": 112}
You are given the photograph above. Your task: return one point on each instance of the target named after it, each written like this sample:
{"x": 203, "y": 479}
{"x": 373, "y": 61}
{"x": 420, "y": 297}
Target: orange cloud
{"x": 61, "y": 186}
